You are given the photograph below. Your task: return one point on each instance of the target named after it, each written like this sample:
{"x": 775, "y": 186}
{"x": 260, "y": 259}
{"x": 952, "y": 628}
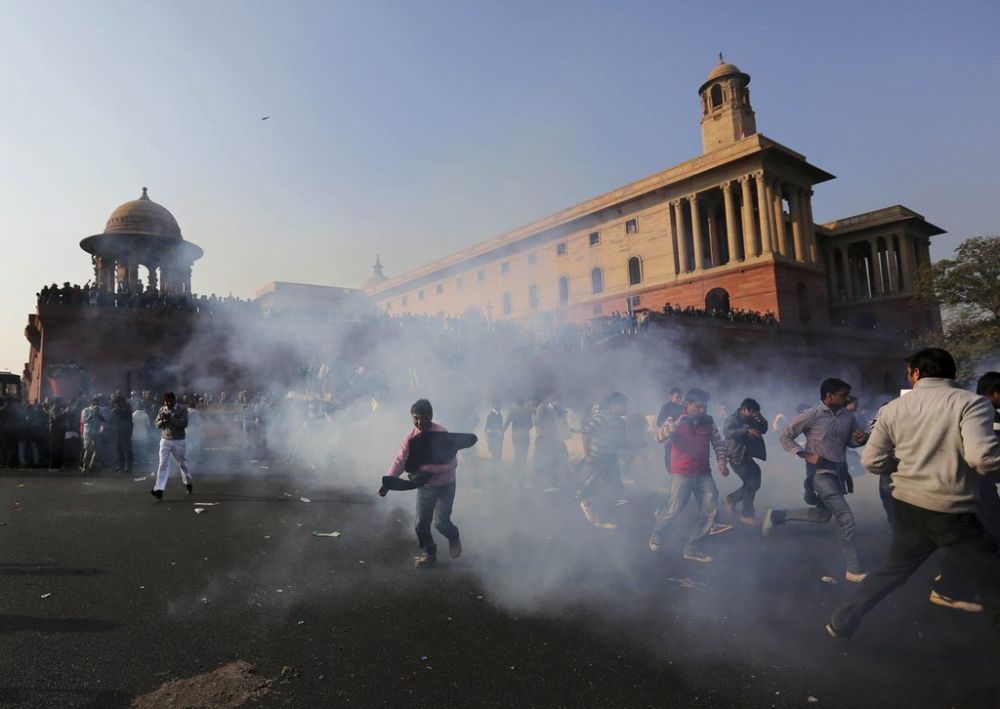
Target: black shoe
{"x": 158, "y": 494}
{"x": 455, "y": 548}
{"x": 189, "y": 487}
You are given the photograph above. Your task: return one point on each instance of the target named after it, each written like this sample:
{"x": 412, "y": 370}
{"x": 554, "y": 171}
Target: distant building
{"x": 731, "y": 228}
{"x": 283, "y": 299}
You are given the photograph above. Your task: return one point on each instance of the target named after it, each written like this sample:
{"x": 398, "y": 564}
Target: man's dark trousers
{"x": 916, "y": 534}
{"x": 435, "y": 501}
{"x": 749, "y": 472}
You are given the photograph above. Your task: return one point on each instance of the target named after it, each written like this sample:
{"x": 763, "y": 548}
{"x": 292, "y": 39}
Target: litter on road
{"x": 304, "y": 499}
{"x": 326, "y": 534}
{"x": 46, "y": 595}
{"x": 199, "y": 510}
{"x": 828, "y": 579}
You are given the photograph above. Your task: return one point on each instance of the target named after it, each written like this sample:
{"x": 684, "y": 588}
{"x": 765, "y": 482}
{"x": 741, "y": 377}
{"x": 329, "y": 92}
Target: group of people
{"x": 937, "y": 449}
{"x": 140, "y": 297}
{"x": 95, "y": 434}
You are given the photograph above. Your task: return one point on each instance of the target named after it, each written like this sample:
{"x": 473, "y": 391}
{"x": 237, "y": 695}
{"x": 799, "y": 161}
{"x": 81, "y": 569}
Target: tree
{"x": 968, "y": 287}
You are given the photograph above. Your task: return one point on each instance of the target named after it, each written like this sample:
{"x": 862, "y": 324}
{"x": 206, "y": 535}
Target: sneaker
{"x": 768, "y": 524}
{"x": 455, "y": 548}
{"x": 855, "y": 577}
{"x": 588, "y": 513}
{"x": 719, "y": 529}
{"x": 698, "y": 556}
{"x": 189, "y": 487}
{"x": 956, "y": 603}
{"x": 425, "y": 560}
{"x": 654, "y": 543}
{"x": 832, "y": 632}
{"x": 158, "y": 494}
{"x": 606, "y": 525}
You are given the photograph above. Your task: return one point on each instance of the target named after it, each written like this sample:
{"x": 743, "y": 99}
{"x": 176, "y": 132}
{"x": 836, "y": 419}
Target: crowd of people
{"x": 937, "y": 448}
{"x": 148, "y": 297}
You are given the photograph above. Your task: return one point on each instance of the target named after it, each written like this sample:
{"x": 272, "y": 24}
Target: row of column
{"x": 895, "y": 276}
{"x": 756, "y": 232}
{"x": 109, "y": 272}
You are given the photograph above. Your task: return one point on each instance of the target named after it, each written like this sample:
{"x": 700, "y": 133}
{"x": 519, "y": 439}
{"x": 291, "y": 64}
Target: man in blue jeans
{"x": 692, "y": 437}
{"x": 829, "y": 429}
{"x": 937, "y": 443}
{"x": 435, "y": 499}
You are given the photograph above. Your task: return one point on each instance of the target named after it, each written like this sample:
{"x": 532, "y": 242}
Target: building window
{"x": 420, "y": 295}
{"x": 598, "y": 309}
{"x": 716, "y": 96}
{"x": 635, "y": 301}
{"x": 595, "y": 238}
{"x": 561, "y": 248}
{"x": 533, "y": 297}
{"x": 597, "y": 281}
{"x": 440, "y": 289}
{"x": 631, "y": 226}
{"x": 481, "y": 276}
{"x": 505, "y": 267}
{"x": 506, "y": 304}
{"x": 634, "y": 271}
{"x": 404, "y": 300}
{"x": 532, "y": 259}
{"x": 563, "y": 290}
{"x": 459, "y": 282}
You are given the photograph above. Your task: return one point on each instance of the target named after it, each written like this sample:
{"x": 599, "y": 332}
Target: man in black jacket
{"x": 744, "y": 433}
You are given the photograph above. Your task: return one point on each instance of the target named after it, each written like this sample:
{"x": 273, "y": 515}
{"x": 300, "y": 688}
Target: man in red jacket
{"x": 690, "y": 436}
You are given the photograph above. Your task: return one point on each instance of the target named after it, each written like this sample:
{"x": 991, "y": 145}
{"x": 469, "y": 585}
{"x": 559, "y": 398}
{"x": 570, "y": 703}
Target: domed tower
{"x": 726, "y": 114}
{"x": 142, "y": 233}
{"x": 377, "y": 276}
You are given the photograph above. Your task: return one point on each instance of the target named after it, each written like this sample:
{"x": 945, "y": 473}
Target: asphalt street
{"x": 107, "y": 594}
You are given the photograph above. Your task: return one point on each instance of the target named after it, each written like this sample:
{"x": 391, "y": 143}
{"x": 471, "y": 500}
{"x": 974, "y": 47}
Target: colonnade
{"x": 753, "y": 223}
{"x": 111, "y": 271}
{"x": 872, "y": 266}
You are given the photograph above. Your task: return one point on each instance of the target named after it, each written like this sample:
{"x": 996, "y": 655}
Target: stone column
{"x": 907, "y": 268}
{"x": 682, "y": 247}
{"x": 727, "y": 196}
{"x": 699, "y": 256}
{"x": 714, "y": 243}
{"x": 810, "y": 225}
{"x": 892, "y": 255}
{"x": 153, "y": 276}
{"x": 762, "y": 209}
{"x": 749, "y": 231}
{"x": 779, "y": 219}
{"x": 672, "y": 231}
{"x": 877, "y": 286}
{"x": 798, "y": 230}
{"x": 847, "y": 274}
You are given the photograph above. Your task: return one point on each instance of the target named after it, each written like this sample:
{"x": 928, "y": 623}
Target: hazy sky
{"x": 416, "y": 128}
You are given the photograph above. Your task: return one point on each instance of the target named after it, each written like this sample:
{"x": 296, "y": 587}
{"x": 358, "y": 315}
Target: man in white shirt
{"x": 935, "y": 442}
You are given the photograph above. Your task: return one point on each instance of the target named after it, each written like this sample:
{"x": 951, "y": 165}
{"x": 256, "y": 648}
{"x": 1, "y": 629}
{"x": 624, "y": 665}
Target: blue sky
{"x": 417, "y": 128}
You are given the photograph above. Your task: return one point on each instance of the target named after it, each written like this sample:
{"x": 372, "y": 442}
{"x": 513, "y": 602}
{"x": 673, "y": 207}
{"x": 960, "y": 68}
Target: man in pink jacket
{"x": 435, "y": 499}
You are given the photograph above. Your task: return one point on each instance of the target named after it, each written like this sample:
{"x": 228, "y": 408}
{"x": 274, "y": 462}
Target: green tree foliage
{"x": 968, "y": 287}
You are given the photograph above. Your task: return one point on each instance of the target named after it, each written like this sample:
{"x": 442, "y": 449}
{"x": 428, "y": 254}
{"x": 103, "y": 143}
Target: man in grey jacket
{"x": 935, "y": 442}
{"x": 172, "y": 420}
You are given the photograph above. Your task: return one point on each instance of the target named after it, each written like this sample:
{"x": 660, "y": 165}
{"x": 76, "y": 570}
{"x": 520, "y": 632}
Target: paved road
{"x": 542, "y": 610}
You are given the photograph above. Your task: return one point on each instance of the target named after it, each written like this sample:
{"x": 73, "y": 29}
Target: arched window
{"x": 717, "y": 301}
{"x": 563, "y": 290}
{"x": 716, "y": 96}
{"x": 597, "y": 281}
{"x": 533, "y": 296}
{"x": 634, "y": 271}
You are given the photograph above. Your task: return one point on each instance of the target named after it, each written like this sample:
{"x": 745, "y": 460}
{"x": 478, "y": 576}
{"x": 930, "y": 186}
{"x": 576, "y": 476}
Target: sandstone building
{"x": 731, "y": 228}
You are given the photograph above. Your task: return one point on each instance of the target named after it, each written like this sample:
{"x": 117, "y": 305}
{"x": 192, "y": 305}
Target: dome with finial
{"x": 723, "y": 68}
{"x": 143, "y": 216}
